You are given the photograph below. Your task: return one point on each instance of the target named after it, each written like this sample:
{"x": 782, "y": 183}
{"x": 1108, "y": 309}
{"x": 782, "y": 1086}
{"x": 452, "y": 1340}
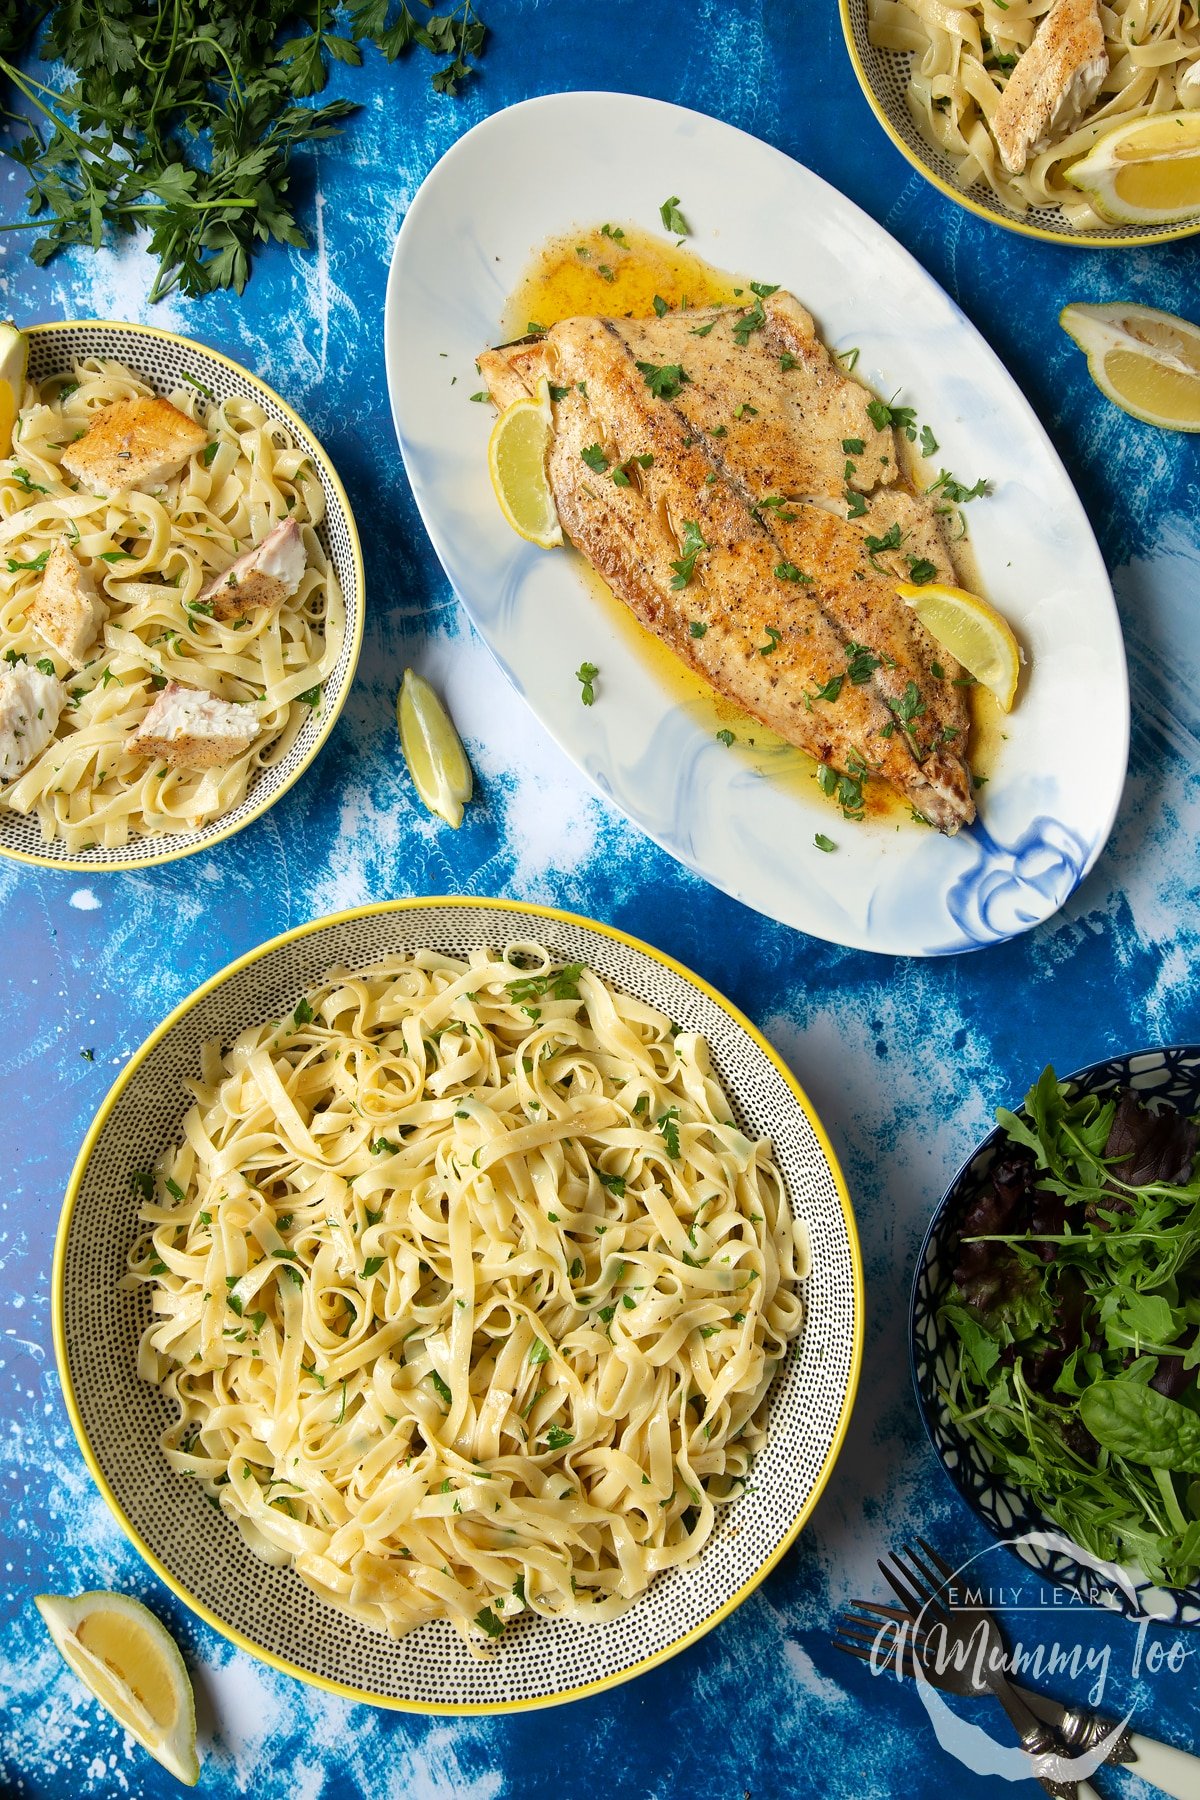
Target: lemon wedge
{"x": 433, "y": 750}
{"x": 1148, "y": 362}
{"x": 972, "y": 631}
{"x": 517, "y": 452}
{"x": 14, "y": 360}
{"x": 128, "y": 1659}
{"x": 1144, "y": 173}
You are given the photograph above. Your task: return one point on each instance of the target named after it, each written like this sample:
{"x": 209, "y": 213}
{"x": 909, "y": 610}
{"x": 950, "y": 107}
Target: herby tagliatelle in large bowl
{"x": 483, "y": 1315}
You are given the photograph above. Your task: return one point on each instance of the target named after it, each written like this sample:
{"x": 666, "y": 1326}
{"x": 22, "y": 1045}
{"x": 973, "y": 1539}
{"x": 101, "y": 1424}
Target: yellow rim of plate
{"x": 78, "y": 866}
{"x": 131, "y": 1068}
{"x": 1091, "y": 240}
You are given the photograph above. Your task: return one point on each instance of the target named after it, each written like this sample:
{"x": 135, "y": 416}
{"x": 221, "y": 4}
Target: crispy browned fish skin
{"x": 769, "y": 643}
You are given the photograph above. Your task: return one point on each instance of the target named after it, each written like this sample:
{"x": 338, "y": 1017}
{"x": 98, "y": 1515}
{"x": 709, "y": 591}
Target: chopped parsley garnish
{"x": 558, "y": 1439}
{"x": 36, "y": 565}
{"x": 702, "y": 330}
{"x": 382, "y": 1146}
{"x": 487, "y": 1620}
{"x": 208, "y": 452}
{"x": 595, "y": 459}
{"x": 586, "y": 675}
{"x": 929, "y": 443}
{"x": 45, "y": 665}
{"x": 440, "y": 1388}
{"x": 824, "y": 843}
{"x": 856, "y": 505}
{"x": 670, "y": 1131}
{"x": 693, "y": 543}
{"x": 752, "y": 319}
{"x": 921, "y": 571}
{"x": 614, "y": 1183}
{"x": 955, "y": 492}
{"x": 847, "y": 789}
{"x": 663, "y": 379}
{"x": 560, "y": 984}
{"x": 889, "y": 541}
{"x": 774, "y": 503}
{"x": 576, "y": 1269}
{"x": 726, "y": 738}
{"x": 605, "y": 273}
{"x": 829, "y": 691}
{"x": 853, "y": 446}
{"x": 673, "y": 220}
{"x": 773, "y": 638}
{"x": 740, "y": 412}
{"x": 697, "y": 628}
{"x": 787, "y": 571}
{"x": 533, "y": 329}
{"x": 937, "y": 671}
{"x": 539, "y": 1352}
{"x": 24, "y": 480}
{"x": 303, "y": 1014}
{"x": 142, "y": 1183}
{"x": 862, "y": 664}
{"x": 615, "y": 232}
{"x": 620, "y": 478}
{"x": 660, "y": 306}
{"x": 195, "y": 381}
{"x": 88, "y": 1055}
{"x": 882, "y": 414}
{"x": 310, "y": 697}
{"x": 558, "y": 393}
{"x": 372, "y": 1266}
{"x": 788, "y": 361}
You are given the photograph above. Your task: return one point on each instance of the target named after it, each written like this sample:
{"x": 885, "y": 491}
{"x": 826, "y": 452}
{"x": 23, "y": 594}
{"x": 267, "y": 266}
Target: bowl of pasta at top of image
{"x": 459, "y": 1304}
{"x": 181, "y": 596}
{"x": 1074, "y": 121}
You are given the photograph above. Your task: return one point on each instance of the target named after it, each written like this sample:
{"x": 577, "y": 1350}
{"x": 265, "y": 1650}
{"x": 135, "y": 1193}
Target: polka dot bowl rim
{"x": 1171, "y": 1071}
{"x": 201, "y": 1556}
{"x": 161, "y": 357}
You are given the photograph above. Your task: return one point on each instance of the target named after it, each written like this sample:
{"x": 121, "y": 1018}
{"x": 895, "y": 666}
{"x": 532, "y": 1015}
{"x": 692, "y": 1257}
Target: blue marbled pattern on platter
{"x": 905, "y": 1060}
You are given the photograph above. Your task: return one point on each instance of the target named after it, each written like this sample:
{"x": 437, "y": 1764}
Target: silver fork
{"x": 859, "y": 1634}
{"x": 971, "y": 1633}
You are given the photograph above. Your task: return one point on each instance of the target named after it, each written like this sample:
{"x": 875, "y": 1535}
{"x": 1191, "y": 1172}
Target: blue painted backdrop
{"x": 905, "y": 1060}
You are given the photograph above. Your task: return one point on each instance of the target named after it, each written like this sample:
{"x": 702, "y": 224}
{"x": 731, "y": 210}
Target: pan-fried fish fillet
{"x": 1055, "y": 81}
{"x": 735, "y": 427}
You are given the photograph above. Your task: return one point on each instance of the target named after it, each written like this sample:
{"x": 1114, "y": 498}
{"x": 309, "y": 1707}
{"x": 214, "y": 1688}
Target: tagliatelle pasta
{"x": 468, "y": 1291}
{"x": 151, "y": 554}
{"x": 962, "y": 55}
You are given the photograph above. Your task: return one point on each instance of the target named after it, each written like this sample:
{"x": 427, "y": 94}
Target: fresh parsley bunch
{"x": 182, "y": 117}
{"x": 1076, "y": 1310}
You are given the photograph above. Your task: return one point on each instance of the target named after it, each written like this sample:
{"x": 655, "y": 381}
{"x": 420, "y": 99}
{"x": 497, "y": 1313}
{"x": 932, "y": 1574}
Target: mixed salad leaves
{"x": 1076, "y": 1310}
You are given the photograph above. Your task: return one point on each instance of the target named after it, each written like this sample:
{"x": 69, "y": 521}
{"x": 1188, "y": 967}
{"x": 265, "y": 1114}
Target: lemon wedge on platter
{"x": 1146, "y": 361}
{"x": 1144, "y": 173}
{"x": 517, "y": 452}
{"x": 14, "y": 360}
{"x": 971, "y": 630}
{"x": 131, "y": 1664}
{"x": 433, "y": 750}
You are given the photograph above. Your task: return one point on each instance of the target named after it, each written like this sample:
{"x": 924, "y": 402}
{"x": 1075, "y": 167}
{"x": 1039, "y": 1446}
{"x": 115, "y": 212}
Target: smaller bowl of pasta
{"x": 459, "y": 1304}
{"x": 999, "y": 104}
{"x": 181, "y": 594}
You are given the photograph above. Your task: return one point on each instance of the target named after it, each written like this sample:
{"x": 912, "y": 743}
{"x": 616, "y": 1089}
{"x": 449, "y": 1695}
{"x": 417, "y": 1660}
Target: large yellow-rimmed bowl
{"x": 883, "y": 77}
{"x": 166, "y": 361}
{"x": 201, "y": 1555}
